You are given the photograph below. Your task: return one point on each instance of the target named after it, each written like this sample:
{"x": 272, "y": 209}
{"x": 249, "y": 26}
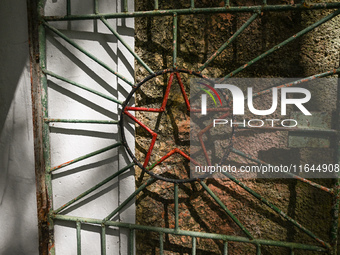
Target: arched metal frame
{"x": 57, "y": 213}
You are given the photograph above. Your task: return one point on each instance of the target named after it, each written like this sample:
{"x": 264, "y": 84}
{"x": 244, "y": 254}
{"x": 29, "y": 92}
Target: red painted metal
{"x": 161, "y": 109}
{"x": 173, "y": 151}
{"x": 183, "y": 91}
{"x": 144, "y": 109}
{"x": 167, "y": 92}
{"x": 154, "y": 136}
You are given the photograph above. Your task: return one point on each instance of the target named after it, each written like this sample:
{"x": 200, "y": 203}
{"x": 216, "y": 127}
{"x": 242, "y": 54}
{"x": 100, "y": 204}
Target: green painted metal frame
{"x": 56, "y": 214}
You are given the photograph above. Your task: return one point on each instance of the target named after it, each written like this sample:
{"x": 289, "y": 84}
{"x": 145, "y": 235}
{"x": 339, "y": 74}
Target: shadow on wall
{"x": 19, "y": 233}
{"x": 18, "y": 213}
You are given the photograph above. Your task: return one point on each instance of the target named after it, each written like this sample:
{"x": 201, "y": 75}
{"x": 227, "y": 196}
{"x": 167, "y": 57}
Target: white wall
{"x": 70, "y": 141}
{"x": 18, "y": 217}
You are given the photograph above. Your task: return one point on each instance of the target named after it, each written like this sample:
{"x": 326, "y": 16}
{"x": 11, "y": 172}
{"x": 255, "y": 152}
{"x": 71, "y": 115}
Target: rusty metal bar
{"x": 231, "y": 9}
{"x": 174, "y": 49}
{"x": 37, "y": 58}
{"x": 46, "y": 139}
{"x": 74, "y": 44}
{"x": 82, "y": 86}
{"x": 180, "y": 232}
{"x": 127, "y": 46}
{"x": 156, "y": 5}
{"x": 278, "y": 46}
{"x": 230, "y": 40}
{"x": 95, "y": 187}
{"x": 85, "y": 156}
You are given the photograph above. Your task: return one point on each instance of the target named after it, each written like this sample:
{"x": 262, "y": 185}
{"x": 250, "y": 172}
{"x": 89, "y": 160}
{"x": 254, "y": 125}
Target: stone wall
{"x": 199, "y": 36}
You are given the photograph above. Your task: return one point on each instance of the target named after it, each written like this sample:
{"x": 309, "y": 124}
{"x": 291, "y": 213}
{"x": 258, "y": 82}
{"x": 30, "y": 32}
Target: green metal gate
{"x": 41, "y": 74}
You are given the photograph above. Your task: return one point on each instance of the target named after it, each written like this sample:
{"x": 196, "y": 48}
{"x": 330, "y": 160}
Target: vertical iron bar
{"x": 78, "y": 238}
{"x": 264, "y": 2}
{"x": 96, "y": 7}
{"x": 156, "y": 5}
{"x": 225, "y": 248}
{"x": 37, "y": 57}
{"x": 193, "y": 252}
{"x": 68, "y": 7}
{"x": 291, "y": 251}
{"x": 192, "y": 3}
{"x": 161, "y": 245}
{"x": 125, "y": 6}
{"x": 336, "y": 195}
{"x": 176, "y": 205}
{"x": 44, "y": 99}
{"x": 175, "y": 40}
{"x": 132, "y": 241}
{"x": 258, "y": 249}
{"x": 335, "y": 215}
{"x": 103, "y": 240}
{"x": 227, "y": 3}
{"x": 46, "y": 141}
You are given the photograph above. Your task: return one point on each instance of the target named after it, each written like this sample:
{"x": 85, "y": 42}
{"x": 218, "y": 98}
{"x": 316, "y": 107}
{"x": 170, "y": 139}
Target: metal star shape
{"x": 160, "y": 110}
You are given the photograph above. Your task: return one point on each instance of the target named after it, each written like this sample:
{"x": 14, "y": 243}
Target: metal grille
{"x": 45, "y": 23}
